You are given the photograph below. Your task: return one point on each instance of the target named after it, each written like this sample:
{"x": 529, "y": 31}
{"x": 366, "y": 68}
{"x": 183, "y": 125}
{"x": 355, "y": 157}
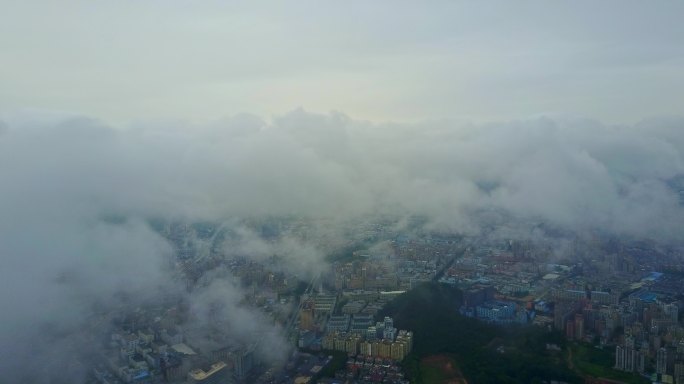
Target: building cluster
{"x": 357, "y": 336}
{"x": 152, "y": 352}
{"x": 643, "y": 324}
{"x": 305, "y": 367}
{"x": 368, "y": 369}
{"x": 481, "y": 302}
{"x": 357, "y": 311}
{"x": 315, "y": 310}
{"x": 604, "y": 292}
{"x": 653, "y": 338}
{"x": 366, "y": 274}
{"x": 383, "y": 274}
{"x": 512, "y": 268}
{"x": 598, "y": 290}
{"x": 162, "y": 343}
{"x": 400, "y": 263}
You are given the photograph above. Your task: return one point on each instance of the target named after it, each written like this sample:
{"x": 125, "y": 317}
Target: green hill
{"x": 484, "y": 353}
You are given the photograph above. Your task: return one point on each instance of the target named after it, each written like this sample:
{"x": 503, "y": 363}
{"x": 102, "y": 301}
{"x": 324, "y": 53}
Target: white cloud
{"x": 62, "y": 176}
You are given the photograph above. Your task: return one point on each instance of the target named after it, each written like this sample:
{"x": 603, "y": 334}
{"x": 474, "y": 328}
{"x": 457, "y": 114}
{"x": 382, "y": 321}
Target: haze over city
{"x": 213, "y": 169}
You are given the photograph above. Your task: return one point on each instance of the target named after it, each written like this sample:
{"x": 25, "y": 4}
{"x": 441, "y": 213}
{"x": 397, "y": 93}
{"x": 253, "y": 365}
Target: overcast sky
{"x": 617, "y": 61}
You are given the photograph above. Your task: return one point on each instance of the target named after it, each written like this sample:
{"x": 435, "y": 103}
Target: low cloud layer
{"x": 64, "y": 177}
{"x": 568, "y": 172}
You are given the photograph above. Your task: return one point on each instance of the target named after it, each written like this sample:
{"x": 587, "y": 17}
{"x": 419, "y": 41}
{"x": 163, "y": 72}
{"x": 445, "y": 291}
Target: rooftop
{"x": 200, "y": 374}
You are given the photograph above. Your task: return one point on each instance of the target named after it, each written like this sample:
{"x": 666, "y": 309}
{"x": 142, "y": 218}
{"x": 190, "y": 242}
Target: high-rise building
{"x": 679, "y": 373}
{"x": 338, "y": 323}
{"x": 389, "y": 333}
{"x": 351, "y": 345}
{"x": 385, "y": 348}
{"x": 620, "y": 357}
{"x": 306, "y": 316}
{"x": 672, "y": 312}
{"x": 365, "y": 348}
{"x": 243, "y": 361}
{"x": 570, "y": 329}
{"x": 325, "y": 304}
{"x": 328, "y": 341}
{"x": 641, "y": 362}
{"x": 398, "y": 350}
{"x": 661, "y": 361}
{"x": 563, "y": 311}
{"x": 630, "y": 359}
{"x": 406, "y": 337}
{"x": 579, "y": 326}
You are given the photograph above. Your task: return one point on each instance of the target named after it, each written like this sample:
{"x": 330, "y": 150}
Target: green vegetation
{"x": 301, "y": 288}
{"x": 520, "y": 294}
{"x": 596, "y": 362}
{"x": 432, "y": 374}
{"x": 338, "y": 362}
{"x": 346, "y": 254}
{"x": 339, "y": 304}
{"x": 484, "y": 353}
{"x": 440, "y": 369}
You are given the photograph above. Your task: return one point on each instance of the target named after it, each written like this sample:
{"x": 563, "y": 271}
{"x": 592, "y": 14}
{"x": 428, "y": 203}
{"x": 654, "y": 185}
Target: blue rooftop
{"x": 653, "y": 276}
{"x": 645, "y": 296}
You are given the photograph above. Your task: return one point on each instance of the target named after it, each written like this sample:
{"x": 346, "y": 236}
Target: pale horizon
{"x": 618, "y": 62}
